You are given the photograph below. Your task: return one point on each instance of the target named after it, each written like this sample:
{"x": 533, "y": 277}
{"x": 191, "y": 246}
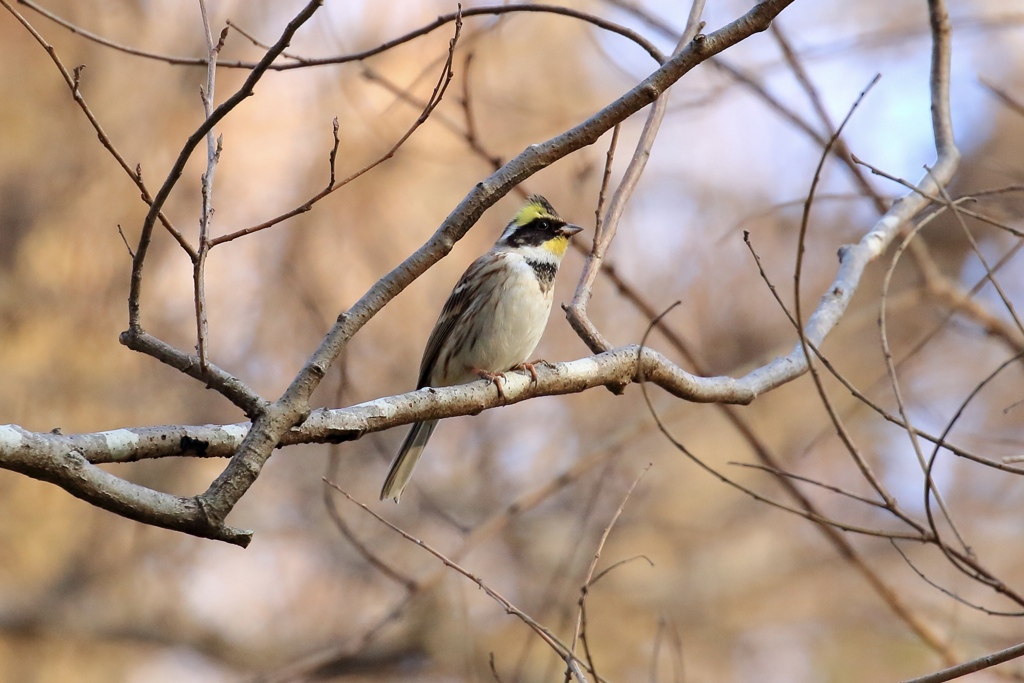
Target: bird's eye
{"x": 543, "y": 224}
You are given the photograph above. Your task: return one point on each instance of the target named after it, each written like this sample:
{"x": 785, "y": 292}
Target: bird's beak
{"x": 568, "y": 230}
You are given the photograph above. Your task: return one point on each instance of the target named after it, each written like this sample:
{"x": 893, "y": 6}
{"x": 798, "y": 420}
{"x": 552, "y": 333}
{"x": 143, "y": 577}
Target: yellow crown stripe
{"x": 532, "y": 211}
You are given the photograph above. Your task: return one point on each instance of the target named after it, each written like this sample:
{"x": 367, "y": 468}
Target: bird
{"x": 493, "y": 318}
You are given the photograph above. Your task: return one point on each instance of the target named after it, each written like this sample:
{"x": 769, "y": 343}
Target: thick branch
{"x": 616, "y": 367}
{"x": 54, "y": 458}
{"x": 216, "y": 378}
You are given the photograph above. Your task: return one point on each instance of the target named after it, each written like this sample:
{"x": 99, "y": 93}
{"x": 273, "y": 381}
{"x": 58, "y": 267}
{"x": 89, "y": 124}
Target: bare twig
{"x": 937, "y": 199}
{"x": 979, "y": 664}
{"x": 298, "y": 62}
{"x": 1013, "y": 103}
{"x": 213, "y": 149}
{"x": 135, "y": 293}
{"x": 807, "y": 480}
{"x": 901, "y": 406}
{"x": 371, "y": 557}
{"x": 589, "y": 578}
{"x": 435, "y": 99}
{"x": 73, "y": 82}
{"x": 576, "y": 311}
{"x": 226, "y": 384}
{"x": 971, "y": 569}
{"x": 609, "y": 157}
{"x": 989, "y": 271}
{"x": 798, "y": 317}
{"x": 257, "y": 42}
{"x": 948, "y": 592}
{"x": 542, "y": 632}
{"x": 493, "y": 667}
{"x": 615, "y": 565}
{"x": 125, "y": 240}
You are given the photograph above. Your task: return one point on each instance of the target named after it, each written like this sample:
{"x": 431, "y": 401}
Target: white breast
{"x": 515, "y": 320}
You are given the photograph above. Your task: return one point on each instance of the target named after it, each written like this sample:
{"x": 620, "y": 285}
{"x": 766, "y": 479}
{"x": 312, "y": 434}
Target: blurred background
{"x": 708, "y": 584}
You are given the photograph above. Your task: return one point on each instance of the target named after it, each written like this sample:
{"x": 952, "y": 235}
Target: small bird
{"x": 492, "y": 320}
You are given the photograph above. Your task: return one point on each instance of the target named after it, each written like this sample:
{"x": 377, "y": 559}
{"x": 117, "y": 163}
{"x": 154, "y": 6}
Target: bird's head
{"x": 537, "y": 226}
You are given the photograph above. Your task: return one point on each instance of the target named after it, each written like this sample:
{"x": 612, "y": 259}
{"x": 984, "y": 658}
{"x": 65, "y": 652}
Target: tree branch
{"x": 54, "y": 458}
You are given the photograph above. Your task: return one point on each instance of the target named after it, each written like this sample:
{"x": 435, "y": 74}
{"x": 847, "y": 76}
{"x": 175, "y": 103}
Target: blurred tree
{"x": 342, "y": 152}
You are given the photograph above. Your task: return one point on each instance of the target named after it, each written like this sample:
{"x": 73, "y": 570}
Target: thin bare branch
{"x": 73, "y": 82}
{"x": 1013, "y": 103}
{"x": 973, "y": 571}
{"x": 226, "y": 384}
{"x": 989, "y": 271}
{"x": 299, "y": 62}
{"x": 435, "y": 99}
{"x": 605, "y": 230}
{"x": 844, "y": 435}
{"x": 979, "y": 664}
{"x": 213, "y": 149}
{"x": 367, "y": 553}
{"x": 807, "y": 480}
{"x": 246, "y": 90}
{"x": 542, "y": 631}
{"x": 255, "y": 41}
{"x": 588, "y": 579}
{"x": 948, "y": 592}
{"x": 901, "y": 406}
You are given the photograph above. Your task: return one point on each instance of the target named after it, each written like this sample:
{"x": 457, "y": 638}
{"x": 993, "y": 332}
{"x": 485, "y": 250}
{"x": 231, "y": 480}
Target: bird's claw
{"x": 529, "y": 367}
{"x": 496, "y": 378}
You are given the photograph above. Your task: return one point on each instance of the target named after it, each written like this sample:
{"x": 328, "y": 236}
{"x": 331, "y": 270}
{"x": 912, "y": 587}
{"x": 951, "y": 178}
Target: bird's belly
{"x": 517, "y": 325}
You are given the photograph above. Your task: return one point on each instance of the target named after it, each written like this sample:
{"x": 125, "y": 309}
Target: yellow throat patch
{"x": 557, "y": 245}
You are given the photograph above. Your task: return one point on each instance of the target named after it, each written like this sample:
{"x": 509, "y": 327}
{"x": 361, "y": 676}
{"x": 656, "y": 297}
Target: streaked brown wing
{"x": 455, "y": 308}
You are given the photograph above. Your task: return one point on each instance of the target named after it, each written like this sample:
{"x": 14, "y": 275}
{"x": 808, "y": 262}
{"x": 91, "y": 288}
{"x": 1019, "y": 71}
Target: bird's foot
{"x": 496, "y": 377}
{"x": 531, "y": 368}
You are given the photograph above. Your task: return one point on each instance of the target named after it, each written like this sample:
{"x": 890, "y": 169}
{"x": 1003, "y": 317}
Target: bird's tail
{"x": 405, "y": 461}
